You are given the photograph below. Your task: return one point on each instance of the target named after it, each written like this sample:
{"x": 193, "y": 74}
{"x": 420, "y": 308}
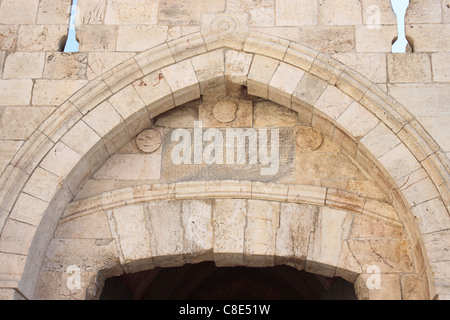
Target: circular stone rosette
{"x": 308, "y": 138}
{"x": 148, "y": 141}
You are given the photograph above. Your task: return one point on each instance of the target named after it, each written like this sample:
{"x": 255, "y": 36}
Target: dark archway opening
{"x": 205, "y": 281}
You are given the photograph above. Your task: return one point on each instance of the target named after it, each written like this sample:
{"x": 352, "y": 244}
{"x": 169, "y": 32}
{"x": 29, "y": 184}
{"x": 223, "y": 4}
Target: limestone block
{"x": 154, "y": 192}
{"x": 54, "y": 92}
{"x": 8, "y": 37}
{"x": 306, "y": 194}
{"x": 357, "y": 120}
{"x": 128, "y": 227}
{"x": 389, "y": 288}
{"x": 308, "y": 91}
{"x": 370, "y": 65}
{"x": 183, "y": 82}
{"x": 12, "y": 266}
{"x": 341, "y": 12}
{"x": 18, "y": 123}
{"x": 42, "y": 185}
{"x": 100, "y": 62}
{"x": 399, "y": 162}
{"x": 327, "y": 69}
{"x": 102, "y": 125}
{"x": 333, "y": 102}
{"x": 23, "y": 65}
{"x": 187, "y": 46}
{"x": 127, "y": 102}
{"x": 93, "y": 187}
{"x": 53, "y": 12}
{"x": 365, "y": 227}
{"x": 156, "y": 93}
{"x": 344, "y": 200}
{"x": 424, "y": 11}
{"x": 441, "y": 274}
{"x": 427, "y": 37}
{"x": 437, "y": 128}
{"x": 224, "y": 29}
{"x": 60, "y": 160}
{"x": 89, "y": 226}
{"x": 296, "y": 13}
{"x": 126, "y": 12}
{"x": 432, "y": 216}
{"x": 10, "y": 294}
{"x": 322, "y": 123}
{"x": 226, "y": 113}
{"x": 409, "y": 68}
{"x": 380, "y": 211}
{"x": 264, "y": 44}
{"x": 86, "y": 254}
{"x": 19, "y": 11}
{"x": 441, "y": 66}
{"x": 380, "y": 140}
{"x": 2, "y": 59}
{"x": 375, "y": 40}
{"x": 97, "y": 38}
{"x": 8, "y": 150}
{"x": 330, "y": 232}
{"x": 140, "y": 38}
{"x": 389, "y": 255}
{"x": 81, "y": 138}
{"x": 417, "y": 187}
{"x": 176, "y": 32}
{"x": 237, "y": 66}
{"x": 15, "y": 92}
{"x": 179, "y": 118}
{"x": 94, "y": 93}
{"x": 166, "y": 232}
{"x": 261, "y": 13}
{"x": 229, "y": 218}
{"x": 263, "y": 220}
{"x": 227, "y": 189}
{"x": 378, "y": 12}
{"x": 90, "y": 12}
{"x": 65, "y": 66}
{"x": 210, "y": 69}
{"x": 190, "y": 190}
{"x": 413, "y": 287}
{"x": 11, "y": 180}
{"x": 122, "y": 75}
{"x": 16, "y": 237}
{"x": 155, "y": 58}
{"x": 198, "y": 230}
{"x": 260, "y": 74}
{"x": 283, "y": 83}
{"x": 188, "y": 12}
{"x": 445, "y": 11}
{"x": 268, "y": 114}
{"x": 41, "y": 37}
{"x": 269, "y": 191}
{"x": 327, "y": 39}
{"x": 296, "y": 225}
{"x": 131, "y": 167}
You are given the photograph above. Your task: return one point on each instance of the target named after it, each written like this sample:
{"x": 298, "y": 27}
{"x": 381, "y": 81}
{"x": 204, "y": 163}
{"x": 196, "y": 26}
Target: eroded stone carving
{"x": 148, "y": 141}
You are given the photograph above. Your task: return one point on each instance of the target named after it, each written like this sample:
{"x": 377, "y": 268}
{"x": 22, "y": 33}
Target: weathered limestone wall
{"x": 36, "y": 78}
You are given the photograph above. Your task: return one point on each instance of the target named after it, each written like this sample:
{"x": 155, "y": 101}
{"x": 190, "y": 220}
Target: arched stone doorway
{"x": 205, "y": 281}
{"x": 78, "y": 147}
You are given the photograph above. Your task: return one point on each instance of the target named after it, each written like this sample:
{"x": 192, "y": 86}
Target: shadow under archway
{"x": 205, "y": 281}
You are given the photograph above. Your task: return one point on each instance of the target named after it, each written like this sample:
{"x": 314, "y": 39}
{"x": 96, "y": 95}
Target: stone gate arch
{"x": 76, "y": 139}
{"x": 233, "y": 223}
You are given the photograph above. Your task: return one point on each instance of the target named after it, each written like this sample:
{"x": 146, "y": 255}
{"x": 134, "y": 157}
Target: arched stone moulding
{"x": 167, "y": 225}
{"x": 53, "y": 164}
